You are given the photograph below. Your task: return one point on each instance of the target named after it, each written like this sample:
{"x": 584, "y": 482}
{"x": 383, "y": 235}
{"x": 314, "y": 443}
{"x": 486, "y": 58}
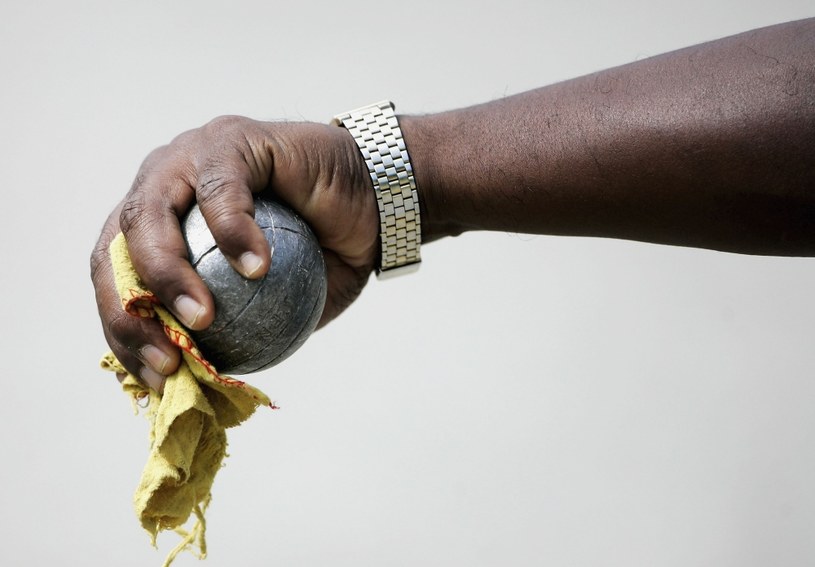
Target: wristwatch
{"x": 378, "y": 136}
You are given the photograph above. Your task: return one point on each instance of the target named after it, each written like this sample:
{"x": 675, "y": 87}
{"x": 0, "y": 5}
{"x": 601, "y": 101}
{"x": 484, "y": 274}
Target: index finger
{"x": 150, "y": 223}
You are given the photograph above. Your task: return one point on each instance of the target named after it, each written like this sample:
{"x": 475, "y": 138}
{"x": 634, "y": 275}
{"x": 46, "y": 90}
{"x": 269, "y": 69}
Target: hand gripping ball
{"x": 259, "y": 323}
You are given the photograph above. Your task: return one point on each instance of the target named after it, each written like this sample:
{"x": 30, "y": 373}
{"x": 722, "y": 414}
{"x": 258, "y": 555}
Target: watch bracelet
{"x": 376, "y": 131}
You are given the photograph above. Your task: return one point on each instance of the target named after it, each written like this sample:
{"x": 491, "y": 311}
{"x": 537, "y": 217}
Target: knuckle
{"x": 123, "y": 330}
{"x": 211, "y": 182}
{"x": 184, "y": 138}
{"x": 132, "y": 212}
{"x": 99, "y": 255}
{"x": 96, "y": 262}
{"x": 224, "y": 122}
{"x": 157, "y": 155}
{"x": 225, "y": 222}
{"x": 150, "y": 164}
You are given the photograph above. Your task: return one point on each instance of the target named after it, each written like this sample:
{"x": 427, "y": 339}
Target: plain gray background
{"x": 521, "y": 401}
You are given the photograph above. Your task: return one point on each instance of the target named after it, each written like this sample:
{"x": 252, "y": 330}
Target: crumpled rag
{"x": 188, "y": 421}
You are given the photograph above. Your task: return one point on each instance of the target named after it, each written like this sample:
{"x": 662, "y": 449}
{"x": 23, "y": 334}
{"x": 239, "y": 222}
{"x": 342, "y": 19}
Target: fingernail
{"x": 188, "y": 309}
{"x": 155, "y": 357}
{"x": 250, "y": 263}
{"x": 152, "y": 378}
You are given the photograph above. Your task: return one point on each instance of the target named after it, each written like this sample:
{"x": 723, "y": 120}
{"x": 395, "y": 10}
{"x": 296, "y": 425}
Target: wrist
{"x": 425, "y": 137}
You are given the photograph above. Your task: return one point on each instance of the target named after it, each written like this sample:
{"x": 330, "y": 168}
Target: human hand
{"x": 315, "y": 169}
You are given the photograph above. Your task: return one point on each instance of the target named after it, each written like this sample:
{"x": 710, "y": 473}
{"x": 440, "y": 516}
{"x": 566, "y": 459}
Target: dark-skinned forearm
{"x": 711, "y": 146}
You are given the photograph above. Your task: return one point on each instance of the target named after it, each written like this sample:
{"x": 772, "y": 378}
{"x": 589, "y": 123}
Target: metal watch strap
{"x": 378, "y": 136}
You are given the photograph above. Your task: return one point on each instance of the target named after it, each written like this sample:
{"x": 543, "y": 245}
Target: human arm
{"x": 711, "y": 146}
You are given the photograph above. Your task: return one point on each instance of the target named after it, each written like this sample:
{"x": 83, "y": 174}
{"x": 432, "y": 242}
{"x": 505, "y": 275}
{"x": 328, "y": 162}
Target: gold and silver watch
{"x": 378, "y": 136}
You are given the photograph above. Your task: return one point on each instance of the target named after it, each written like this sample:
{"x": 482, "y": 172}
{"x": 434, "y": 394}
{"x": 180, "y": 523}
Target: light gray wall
{"x": 559, "y": 402}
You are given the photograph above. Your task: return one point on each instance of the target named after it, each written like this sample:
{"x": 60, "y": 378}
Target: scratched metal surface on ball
{"x": 259, "y": 323}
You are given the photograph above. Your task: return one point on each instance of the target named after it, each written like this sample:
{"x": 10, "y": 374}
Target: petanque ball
{"x": 259, "y": 323}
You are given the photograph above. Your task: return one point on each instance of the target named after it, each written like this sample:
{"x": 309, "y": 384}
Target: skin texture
{"x": 711, "y": 146}
{"x": 314, "y": 168}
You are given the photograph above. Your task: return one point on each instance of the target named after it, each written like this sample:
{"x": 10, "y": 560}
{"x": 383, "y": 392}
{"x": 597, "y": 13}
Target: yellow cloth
{"x": 188, "y": 422}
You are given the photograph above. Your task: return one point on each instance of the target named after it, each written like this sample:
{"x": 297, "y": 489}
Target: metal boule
{"x": 259, "y": 323}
